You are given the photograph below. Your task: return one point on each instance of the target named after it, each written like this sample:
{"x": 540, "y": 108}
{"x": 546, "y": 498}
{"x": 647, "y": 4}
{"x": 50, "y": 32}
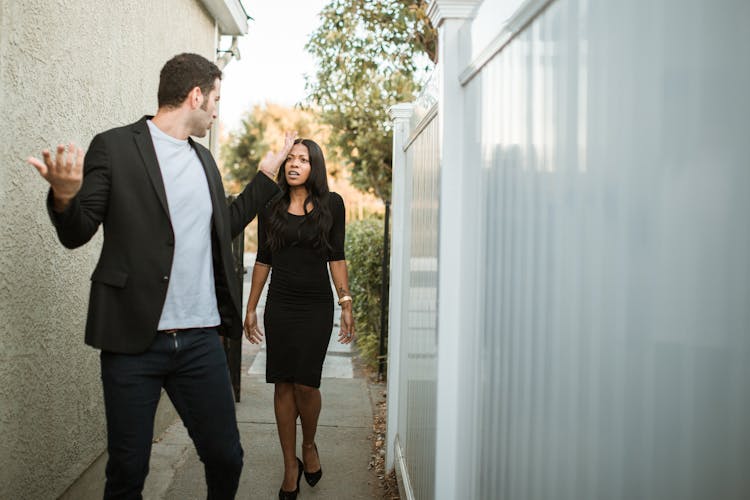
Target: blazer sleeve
{"x": 80, "y": 220}
{"x": 264, "y": 255}
{"x": 252, "y": 199}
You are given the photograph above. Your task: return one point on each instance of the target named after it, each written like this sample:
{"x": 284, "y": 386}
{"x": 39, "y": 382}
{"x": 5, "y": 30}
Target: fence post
{"x": 384, "y": 294}
{"x": 401, "y": 203}
{"x": 449, "y": 17}
{"x": 233, "y": 347}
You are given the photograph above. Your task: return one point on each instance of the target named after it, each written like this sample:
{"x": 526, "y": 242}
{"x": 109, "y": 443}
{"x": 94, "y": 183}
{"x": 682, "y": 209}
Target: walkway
{"x": 344, "y": 427}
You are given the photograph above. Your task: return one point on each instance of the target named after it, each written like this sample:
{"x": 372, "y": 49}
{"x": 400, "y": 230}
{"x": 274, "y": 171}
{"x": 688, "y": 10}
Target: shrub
{"x": 364, "y": 251}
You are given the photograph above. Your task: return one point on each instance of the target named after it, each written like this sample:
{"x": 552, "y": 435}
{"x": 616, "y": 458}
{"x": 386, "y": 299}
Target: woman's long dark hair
{"x": 317, "y": 194}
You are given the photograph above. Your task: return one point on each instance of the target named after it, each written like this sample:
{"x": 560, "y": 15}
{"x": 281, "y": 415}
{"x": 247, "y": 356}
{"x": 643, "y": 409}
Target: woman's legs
{"x": 286, "y": 422}
{"x": 308, "y": 402}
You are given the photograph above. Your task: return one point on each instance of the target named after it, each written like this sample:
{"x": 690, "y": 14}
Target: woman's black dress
{"x": 298, "y": 316}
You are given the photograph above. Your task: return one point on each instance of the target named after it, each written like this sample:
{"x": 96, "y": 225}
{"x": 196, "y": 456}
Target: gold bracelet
{"x": 345, "y": 298}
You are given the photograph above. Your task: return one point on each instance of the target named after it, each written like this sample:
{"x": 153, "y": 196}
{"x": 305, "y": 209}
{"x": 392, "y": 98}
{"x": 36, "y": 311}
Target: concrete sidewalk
{"x": 342, "y": 440}
{"x": 343, "y": 436}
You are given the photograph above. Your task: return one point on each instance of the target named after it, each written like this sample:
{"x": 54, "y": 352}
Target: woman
{"x": 297, "y": 235}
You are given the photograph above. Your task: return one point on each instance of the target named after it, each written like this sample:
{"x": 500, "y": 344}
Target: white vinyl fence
{"x": 570, "y": 275}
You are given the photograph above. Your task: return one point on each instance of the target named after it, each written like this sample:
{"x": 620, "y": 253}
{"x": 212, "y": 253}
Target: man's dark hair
{"x": 183, "y": 73}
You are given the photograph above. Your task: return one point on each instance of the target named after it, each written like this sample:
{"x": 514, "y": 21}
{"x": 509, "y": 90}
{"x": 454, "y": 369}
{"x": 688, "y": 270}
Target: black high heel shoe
{"x": 292, "y": 495}
{"x": 312, "y": 478}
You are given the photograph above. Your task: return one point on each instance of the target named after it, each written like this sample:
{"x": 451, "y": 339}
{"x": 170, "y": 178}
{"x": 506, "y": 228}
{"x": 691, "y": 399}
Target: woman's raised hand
{"x": 272, "y": 161}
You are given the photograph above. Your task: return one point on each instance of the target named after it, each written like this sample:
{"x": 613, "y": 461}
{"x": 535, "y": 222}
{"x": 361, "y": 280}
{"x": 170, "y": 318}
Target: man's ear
{"x": 195, "y": 98}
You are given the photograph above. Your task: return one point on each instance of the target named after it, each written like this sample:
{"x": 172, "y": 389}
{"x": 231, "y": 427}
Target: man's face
{"x": 206, "y": 114}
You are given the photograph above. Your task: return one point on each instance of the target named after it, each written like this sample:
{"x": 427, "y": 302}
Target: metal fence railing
{"x": 233, "y": 347}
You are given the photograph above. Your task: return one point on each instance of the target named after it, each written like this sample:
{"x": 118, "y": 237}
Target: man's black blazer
{"x": 123, "y": 190}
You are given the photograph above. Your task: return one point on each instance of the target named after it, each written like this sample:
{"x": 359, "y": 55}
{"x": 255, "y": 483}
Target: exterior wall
{"x": 67, "y": 70}
{"x": 603, "y": 231}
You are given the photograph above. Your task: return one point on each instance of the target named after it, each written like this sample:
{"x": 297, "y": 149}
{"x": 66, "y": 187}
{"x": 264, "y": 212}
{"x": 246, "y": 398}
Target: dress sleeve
{"x": 338, "y": 228}
{"x": 264, "y": 251}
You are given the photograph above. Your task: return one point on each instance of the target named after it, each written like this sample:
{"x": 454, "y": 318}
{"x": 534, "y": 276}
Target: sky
{"x": 273, "y": 60}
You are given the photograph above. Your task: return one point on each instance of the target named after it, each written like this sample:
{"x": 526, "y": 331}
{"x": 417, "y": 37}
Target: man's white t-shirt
{"x": 191, "y": 296}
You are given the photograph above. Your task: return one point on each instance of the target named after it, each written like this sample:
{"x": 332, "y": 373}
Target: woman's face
{"x": 297, "y": 169}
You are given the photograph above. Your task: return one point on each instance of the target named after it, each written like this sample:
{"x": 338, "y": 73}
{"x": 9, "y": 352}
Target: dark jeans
{"x": 192, "y": 367}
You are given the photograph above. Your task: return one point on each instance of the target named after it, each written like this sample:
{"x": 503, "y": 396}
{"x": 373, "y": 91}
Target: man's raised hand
{"x": 64, "y": 173}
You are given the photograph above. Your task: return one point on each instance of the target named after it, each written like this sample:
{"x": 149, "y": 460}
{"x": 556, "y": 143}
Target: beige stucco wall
{"x": 67, "y": 70}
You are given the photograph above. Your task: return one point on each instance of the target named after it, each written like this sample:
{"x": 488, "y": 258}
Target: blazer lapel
{"x": 148, "y": 154}
{"x": 216, "y": 190}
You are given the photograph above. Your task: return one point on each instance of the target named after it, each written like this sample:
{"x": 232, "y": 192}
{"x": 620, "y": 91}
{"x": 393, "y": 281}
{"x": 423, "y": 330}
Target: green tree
{"x": 369, "y": 57}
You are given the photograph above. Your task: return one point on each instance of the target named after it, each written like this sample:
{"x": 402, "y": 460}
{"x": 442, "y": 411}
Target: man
{"x": 163, "y": 289}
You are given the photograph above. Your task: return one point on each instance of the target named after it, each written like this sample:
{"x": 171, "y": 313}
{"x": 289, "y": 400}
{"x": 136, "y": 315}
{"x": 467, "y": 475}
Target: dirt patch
{"x": 387, "y": 487}
{"x": 377, "y": 460}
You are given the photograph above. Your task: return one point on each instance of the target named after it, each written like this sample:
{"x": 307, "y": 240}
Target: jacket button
{"x": 165, "y": 278}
